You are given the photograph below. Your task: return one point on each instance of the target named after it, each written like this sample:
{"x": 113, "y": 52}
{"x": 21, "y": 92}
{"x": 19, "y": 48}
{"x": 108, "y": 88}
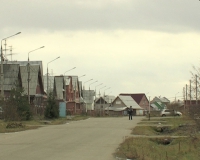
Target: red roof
{"x": 136, "y": 96}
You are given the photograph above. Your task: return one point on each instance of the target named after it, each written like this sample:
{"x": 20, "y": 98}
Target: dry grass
{"x": 165, "y": 147}
{"x": 36, "y": 123}
{"x": 153, "y": 149}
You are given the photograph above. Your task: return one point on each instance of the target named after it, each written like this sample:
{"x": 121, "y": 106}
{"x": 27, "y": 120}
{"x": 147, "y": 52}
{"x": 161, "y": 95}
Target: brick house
{"x": 140, "y": 98}
{"x": 67, "y": 89}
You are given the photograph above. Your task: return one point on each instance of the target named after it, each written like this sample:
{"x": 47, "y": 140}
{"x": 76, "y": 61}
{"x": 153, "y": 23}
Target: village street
{"x": 94, "y": 138}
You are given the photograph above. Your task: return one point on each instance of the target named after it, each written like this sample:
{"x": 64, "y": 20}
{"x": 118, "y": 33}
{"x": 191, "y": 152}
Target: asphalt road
{"x": 91, "y": 139}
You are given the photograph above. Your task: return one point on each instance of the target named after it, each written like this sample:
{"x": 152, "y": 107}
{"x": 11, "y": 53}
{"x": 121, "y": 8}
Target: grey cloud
{"x": 162, "y": 15}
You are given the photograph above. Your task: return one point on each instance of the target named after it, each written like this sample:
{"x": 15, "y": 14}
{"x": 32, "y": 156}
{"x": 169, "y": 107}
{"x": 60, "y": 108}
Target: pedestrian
{"x": 130, "y": 113}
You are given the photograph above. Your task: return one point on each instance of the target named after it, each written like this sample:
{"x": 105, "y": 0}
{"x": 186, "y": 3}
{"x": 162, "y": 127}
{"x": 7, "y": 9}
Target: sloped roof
{"x": 108, "y": 99}
{"x": 164, "y": 99}
{"x": 74, "y": 81}
{"x": 11, "y": 72}
{"x": 159, "y": 99}
{"x": 136, "y": 96}
{"x": 129, "y": 101}
{"x": 59, "y": 84}
{"x": 24, "y": 63}
{"x": 34, "y": 70}
{"x": 50, "y": 82}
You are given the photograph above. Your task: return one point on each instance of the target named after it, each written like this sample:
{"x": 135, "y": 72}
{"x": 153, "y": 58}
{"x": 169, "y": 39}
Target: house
{"x": 158, "y": 106}
{"x": 140, "y": 99}
{"x": 59, "y": 88}
{"x": 35, "y": 83}
{"x": 164, "y": 100}
{"x": 101, "y": 103}
{"x": 88, "y": 99}
{"x": 66, "y": 89}
{"x": 11, "y": 77}
{"x": 120, "y": 104}
{"x": 18, "y": 72}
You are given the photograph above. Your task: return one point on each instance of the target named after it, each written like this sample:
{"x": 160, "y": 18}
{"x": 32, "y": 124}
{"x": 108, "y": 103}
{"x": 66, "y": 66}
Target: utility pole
{"x": 196, "y": 88}
{"x": 185, "y": 95}
{"x": 190, "y": 92}
{"x": 149, "y": 108}
{"x": 75, "y": 99}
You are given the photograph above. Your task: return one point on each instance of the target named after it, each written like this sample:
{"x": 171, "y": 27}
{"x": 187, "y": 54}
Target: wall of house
{"x": 70, "y": 108}
{"x": 118, "y": 103}
{"x": 144, "y": 103}
{"x": 69, "y": 93}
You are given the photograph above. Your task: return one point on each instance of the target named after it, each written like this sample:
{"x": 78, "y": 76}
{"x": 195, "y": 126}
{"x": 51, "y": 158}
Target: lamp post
{"x": 48, "y": 74}
{"x": 83, "y": 96}
{"x": 28, "y": 68}
{"x": 149, "y": 108}
{"x": 80, "y": 91}
{"x": 96, "y": 87}
{"x": 104, "y": 98}
{"x": 100, "y": 98}
{"x": 175, "y": 96}
{"x": 69, "y": 70}
{"x": 91, "y": 84}
{"x": 109, "y": 105}
{"x": 2, "y": 75}
{"x": 81, "y": 76}
{"x": 65, "y": 94}
{"x": 95, "y": 94}
{"x": 106, "y": 89}
{"x": 86, "y": 82}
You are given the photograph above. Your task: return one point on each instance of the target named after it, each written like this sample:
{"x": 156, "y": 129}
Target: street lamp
{"x": 175, "y": 96}
{"x": 95, "y": 94}
{"x": 96, "y": 87}
{"x": 106, "y": 89}
{"x": 100, "y": 98}
{"x": 69, "y": 70}
{"x": 28, "y": 67}
{"x": 100, "y": 89}
{"x": 91, "y": 84}
{"x": 2, "y": 75}
{"x": 86, "y": 82}
{"x": 81, "y": 76}
{"x": 48, "y": 74}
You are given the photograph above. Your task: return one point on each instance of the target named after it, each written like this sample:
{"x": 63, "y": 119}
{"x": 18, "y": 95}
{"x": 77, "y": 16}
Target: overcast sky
{"x": 131, "y": 46}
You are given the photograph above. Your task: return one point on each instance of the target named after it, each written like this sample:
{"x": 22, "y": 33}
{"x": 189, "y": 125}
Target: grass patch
{"x": 5, "y": 129}
{"x": 37, "y": 122}
{"x": 164, "y": 147}
{"x": 155, "y": 148}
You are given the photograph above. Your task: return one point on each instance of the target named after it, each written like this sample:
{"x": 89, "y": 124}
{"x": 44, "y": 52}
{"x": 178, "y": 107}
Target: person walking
{"x": 130, "y": 113}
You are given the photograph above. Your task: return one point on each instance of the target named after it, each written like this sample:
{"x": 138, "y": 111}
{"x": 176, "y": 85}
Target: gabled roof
{"x": 129, "y": 101}
{"x": 50, "y": 82}
{"x": 74, "y": 81}
{"x": 34, "y": 71}
{"x": 165, "y": 100}
{"x": 107, "y": 99}
{"x": 161, "y": 99}
{"x": 136, "y": 96}
{"x": 11, "y": 72}
{"x": 59, "y": 84}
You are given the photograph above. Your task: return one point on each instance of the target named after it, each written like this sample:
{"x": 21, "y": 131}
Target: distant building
{"x": 140, "y": 99}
